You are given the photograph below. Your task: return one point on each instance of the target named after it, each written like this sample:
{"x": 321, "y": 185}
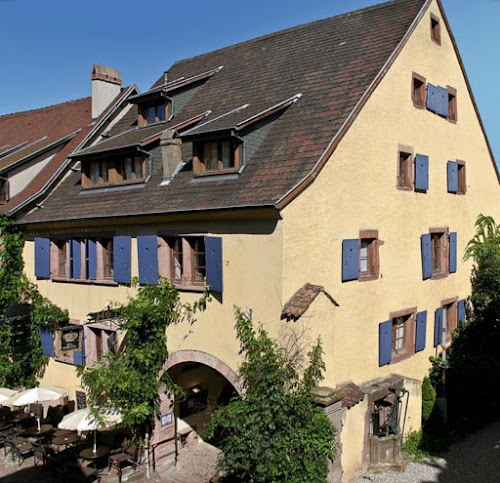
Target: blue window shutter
{"x": 452, "y": 177}
{"x": 453, "y": 252}
{"x": 47, "y": 342}
{"x": 384, "y": 343}
{"x": 42, "y": 257}
{"x": 147, "y": 251}
{"x": 438, "y": 326}
{"x": 350, "y": 260}
{"x": 461, "y": 312}
{"x": 213, "y": 260}
{"x": 421, "y": 172}
{"x": 421, "y": 331}
{"x": 442, "y": 95}
{"x": 121, "y": 259}
{"x": 79, "y": 356}
{"x": 432, "y": 98}
{"x": 425, "y": 242}
{"x": 76, "y": 254}
{"x": 92, "y": 259}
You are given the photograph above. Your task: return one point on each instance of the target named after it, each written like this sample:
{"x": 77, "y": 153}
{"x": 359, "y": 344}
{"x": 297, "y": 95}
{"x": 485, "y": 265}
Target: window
{"x": 403, "y": 334}
{"x": 107, "y": 258}
{"x": 452, "y": 104}
{"x": 113, "y": 171}
{"x": 104, "y": 341}
{"x": 182, "y": 260}
{"x": 4, "y": 190}
{"x": 418, "y": 91}
{"x": 439, "y": 252}
{"x": 149, "y": 114}
{"x": 385, "y": 417}
{"x": 435, "y": 30}
{"x": 450, "y": 320}
{"x": 462, "y": 186}
{"x": 216, "y": 156}
{"x": 405, "y": 168}
{"x": 62, "y": 258}
{"x": 368, "y": 255}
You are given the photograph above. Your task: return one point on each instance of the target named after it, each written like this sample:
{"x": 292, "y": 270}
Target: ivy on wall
{"x": 25, "y": 369}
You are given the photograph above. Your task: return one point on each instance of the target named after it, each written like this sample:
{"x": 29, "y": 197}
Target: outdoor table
{"x": 66, "y": 440}
{"x": 19, "y": 417}
{"x": 88, "y": 453}
{"x": 63, "y": 432}
{"x": 34, "y": 431}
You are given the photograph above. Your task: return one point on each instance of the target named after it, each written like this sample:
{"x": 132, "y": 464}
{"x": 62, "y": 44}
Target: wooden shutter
{"x": 442, "y": 97}
{"x": 213, "y": 260}
{"x": 121, "y": 259}
{"x": 91, "y": 246}
{"x": 453, "y": 252}
{"x": 42, "y": 257}
{"x": 461, "y": 312}
{"x": 425, "y": 243}
{"x": 421, "y": 172}
{"x": 438, "y": 326}
{"x": 147, "y": 250}
{"x": 384, "y": 343}
{"x": 76, "y": 258}
{"x": 79, "y": 356}
{"x": 47, "y": 342}
{"x": 432, "y": 98}
{"x": 421, "y": 331}
{"x": 350, "y": 260}
{"x": 452, "y": 176}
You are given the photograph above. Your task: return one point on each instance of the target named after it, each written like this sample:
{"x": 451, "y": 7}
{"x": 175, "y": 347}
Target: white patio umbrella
{"x": 35, "y": 395}
{"x": 84, "y": 420}
{"x": 6, "y": 393}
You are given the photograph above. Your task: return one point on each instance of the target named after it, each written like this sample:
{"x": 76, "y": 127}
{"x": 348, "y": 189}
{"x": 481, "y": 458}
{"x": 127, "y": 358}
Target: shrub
{"x": 428, "y": 399}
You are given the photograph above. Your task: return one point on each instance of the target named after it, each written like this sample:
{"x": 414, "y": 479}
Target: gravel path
{"x": 474, "y": 460}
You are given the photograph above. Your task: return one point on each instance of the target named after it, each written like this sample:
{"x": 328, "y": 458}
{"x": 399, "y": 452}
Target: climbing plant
{"x": 128, "y": 380}
{"x": 21, "y": 369}
{"x": 273, "y": 431}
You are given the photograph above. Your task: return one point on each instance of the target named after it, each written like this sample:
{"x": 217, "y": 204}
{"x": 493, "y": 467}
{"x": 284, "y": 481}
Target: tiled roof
{"x": 41, "y": 128}
{"x": 302, "y": 300}
{"x": 332, "y": 62}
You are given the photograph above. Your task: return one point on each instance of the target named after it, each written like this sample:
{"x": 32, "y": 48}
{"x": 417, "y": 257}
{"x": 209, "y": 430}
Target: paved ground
{"x": 474, "y": 460}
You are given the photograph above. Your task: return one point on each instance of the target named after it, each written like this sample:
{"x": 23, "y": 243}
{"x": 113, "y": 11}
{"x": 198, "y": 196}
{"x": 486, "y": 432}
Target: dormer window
{"x": 4, "y": 190}
{"x": 106, "y": 172}
{"x": 217, "y": 156}
{"x": 151, "y": 113}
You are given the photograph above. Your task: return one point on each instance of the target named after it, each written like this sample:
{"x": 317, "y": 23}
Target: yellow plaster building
{"x": 327, "y": 177}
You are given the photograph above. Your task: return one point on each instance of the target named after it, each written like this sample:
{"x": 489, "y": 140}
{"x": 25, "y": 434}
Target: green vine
{"x": 16, "y": 289}
{"x": 128, "y": 380}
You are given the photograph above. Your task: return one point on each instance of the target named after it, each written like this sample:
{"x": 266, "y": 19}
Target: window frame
{"x": 168, "y": 244}
{"x": 452, "y": 105}
{"x": 450, "y": 308}
{"x": 114, "y": 167}
{"x": 462, "y": 177}
{"x": 236, "y": 150}
{"x": 435, "y": 29}
{"x": 409, "y": 169}
{"x": 419, "y": 97}
{"x": 444, "y": 262}
{"x": 373, "y": 262}
{"x": 410, "y": 323}
{"x": 142, "y": 109}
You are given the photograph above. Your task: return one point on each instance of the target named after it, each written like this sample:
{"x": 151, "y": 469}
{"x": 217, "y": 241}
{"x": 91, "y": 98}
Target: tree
{"x": 128, "y": 380}
{"x": 273, "y": 431}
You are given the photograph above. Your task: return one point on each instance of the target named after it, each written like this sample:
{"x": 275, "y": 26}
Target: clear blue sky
{"x": 47, "y": 47}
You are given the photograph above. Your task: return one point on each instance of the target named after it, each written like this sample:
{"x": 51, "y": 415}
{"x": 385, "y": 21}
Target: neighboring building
{"x": 327, "y": 177}
{"x": 35, "y": 145}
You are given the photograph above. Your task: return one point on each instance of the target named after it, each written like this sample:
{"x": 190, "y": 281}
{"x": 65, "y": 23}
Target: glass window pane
{"x": 150, "y": 114}
{"x": 128, "y": 168}
{"x": 177, "y": 255}
{"x": 227, "y": 159}
{"x": 161, "y": 112}
{"x": 104, "y": 171}
{"x": 94, "y": 172}
{"x": 138, "y": 162}
{"x": 363, "y": 252}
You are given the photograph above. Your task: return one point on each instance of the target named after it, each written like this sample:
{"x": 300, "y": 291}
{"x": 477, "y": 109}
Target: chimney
{"x": 171, "y": 155}
{"x": 106, "y": 85}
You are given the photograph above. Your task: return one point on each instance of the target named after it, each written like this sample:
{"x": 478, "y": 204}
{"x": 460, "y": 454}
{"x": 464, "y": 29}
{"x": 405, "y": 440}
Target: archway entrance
{"x": 204, "y": 390}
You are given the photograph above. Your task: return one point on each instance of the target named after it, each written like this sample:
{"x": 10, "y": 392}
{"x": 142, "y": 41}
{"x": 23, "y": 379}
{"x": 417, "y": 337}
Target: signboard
{"x": 166, "y": 419}
{"x": 70, "y": 338}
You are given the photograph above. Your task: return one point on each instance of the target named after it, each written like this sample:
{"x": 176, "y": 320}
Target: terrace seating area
{"x": 60, "y": 454}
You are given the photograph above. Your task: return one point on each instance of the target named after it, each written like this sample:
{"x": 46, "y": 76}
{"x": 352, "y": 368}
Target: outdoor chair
{"x": 78, "y": 470}
{"x": 41, "y": 454}
{"x": 126, "y": 455}
{"x": 20, "y": 449}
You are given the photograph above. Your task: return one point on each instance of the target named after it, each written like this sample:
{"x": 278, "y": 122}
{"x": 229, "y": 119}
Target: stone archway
{"x": 206, "y": 359}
